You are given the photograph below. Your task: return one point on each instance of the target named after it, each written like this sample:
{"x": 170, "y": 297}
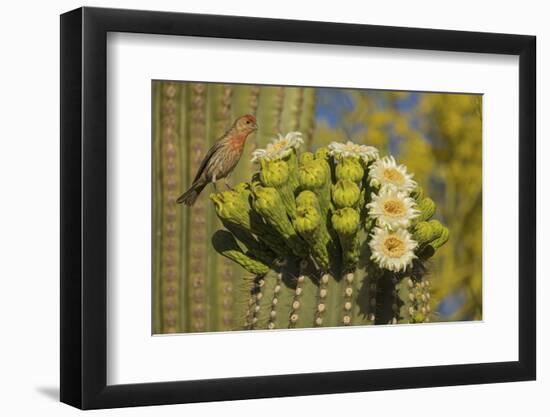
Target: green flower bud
{"x": 268, "y": 203}
{"x": 345, "y": 193}
{"x": 232, "y": 206}
{"x": 322, "y": 153}
{"x": 442, "y": 239}
{"x": 307, "y": 220}
{"x": 417, "y": 193}
{"x": 307, "y": 198}
{"x": 346, "y": 221}
{"x": 349, "y": 169}
{"x": 424, "y": 232}
{"x": 309, "y": 224}
{"x": 273, "y": 173}
{"x": 312, "y": 175}
{"x": 306, "y": 157}
{"x": 225, "y": 244}
{"x": 427, "y": 209}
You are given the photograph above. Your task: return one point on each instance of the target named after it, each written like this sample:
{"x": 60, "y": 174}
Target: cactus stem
{"x": 198, "y": 214}
{"x": 271, "y": 324}
{"x": 296, "y": 306}
{"x": 170, "y": 247}
{"x": 348, "y": 281}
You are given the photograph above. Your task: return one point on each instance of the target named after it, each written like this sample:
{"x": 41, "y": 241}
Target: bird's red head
{"x": 246, "y": 124}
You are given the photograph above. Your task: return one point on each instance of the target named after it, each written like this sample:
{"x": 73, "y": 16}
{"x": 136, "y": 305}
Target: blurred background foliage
{"x": 436, "y": 135}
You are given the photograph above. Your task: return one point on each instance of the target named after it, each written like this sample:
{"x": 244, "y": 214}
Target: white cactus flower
{"x": 392, "y": 250}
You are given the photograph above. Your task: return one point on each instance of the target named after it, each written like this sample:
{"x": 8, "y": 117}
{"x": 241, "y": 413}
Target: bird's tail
{"x": 190, "y": 196}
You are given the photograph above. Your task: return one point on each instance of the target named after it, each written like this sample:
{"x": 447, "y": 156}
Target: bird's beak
{"x": 255, "y": 127}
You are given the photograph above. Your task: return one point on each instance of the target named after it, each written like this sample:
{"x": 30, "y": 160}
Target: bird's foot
{"x": 228, "y": 186}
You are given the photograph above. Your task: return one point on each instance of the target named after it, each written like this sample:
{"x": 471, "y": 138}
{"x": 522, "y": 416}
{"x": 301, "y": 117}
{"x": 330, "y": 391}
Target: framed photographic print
{"x": 257, "y": 208}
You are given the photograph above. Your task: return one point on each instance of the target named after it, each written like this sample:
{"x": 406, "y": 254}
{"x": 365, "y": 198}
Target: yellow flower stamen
{"x": 394, "y": 208}
{"x": 394, "y": 247}
{"x": 393, "y": 175}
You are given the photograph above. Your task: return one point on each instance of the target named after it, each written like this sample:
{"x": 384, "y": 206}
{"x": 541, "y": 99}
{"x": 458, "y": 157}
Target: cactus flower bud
{"x": 225, "y": 244}
{"x": 426, "y": 206}
{"x": 307, "y": 220}
{"x": 345, "y": 193}
{"x": 346, "y": 221}
{"x": 424, "y": 233}
{"x": 273, "y": 173}
{"x": 306, "y": 157}
{"x": 442, "y": 239}
{"x": 268, "y": 203}
{"x": 350, "y": 169}
{"x": 417, "y": 193}
{"x": 322, "y": 153}
{"x": 230, "y": 205}
{"x": 312, "y": 175}
{"x": 307, "y": 198}
{"x": 308, "y": 224}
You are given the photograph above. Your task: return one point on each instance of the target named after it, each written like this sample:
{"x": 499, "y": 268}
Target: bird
{"x": 221, "y": 159}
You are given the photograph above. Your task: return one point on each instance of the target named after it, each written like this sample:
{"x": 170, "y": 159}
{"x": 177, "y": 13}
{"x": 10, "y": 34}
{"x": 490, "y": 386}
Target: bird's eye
{"x": 248, "y": 122}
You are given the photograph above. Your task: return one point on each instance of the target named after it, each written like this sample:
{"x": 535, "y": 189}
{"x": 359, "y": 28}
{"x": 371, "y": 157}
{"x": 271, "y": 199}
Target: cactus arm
{"x": 185, "y": 180}
{"x": 198, "y": 264}
{"x": 171, "y": 219}
{"x": 307, "y": 118}
{"x": 364, "y": 300}
{"x": 219, "y": 273}
{"x": 285, "y": 298}
{"x": 414, "y": 295}
{"x": 269, "y": 114}
{"x": 244, "y": 100}
{"x": 349, "y": 285}
{"x": 157, "y": 209}
{"x": 267, "y": 299}
{"x": 292, "y": 109}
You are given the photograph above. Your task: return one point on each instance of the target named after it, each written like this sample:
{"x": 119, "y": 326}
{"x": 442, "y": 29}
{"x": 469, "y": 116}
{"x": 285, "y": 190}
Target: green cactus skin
{"x": 292, "y": 109}
{"x": 220, "y": 275}
{"x": 307, "y": 117}
{"x": 198, "y": 215}
{"x": 171, "y": 219}
{"x": 269, "y": 114}
{"x": 157, "y": 209}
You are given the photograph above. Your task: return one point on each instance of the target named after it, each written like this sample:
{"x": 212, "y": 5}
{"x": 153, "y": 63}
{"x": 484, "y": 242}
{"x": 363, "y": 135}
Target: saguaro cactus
{"x": 195, "y": 288}
{"x": 337, "y": 238}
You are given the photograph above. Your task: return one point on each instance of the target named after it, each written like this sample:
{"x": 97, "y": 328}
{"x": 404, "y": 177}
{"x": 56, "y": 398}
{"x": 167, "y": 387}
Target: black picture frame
{"x": 84, "y": 207}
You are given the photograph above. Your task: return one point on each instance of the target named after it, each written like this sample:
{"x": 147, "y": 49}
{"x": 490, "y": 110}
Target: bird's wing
{"x": 207, "y": 158}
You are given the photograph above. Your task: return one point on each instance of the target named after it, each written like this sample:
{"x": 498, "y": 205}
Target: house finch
{"x": 221, "y": 159}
